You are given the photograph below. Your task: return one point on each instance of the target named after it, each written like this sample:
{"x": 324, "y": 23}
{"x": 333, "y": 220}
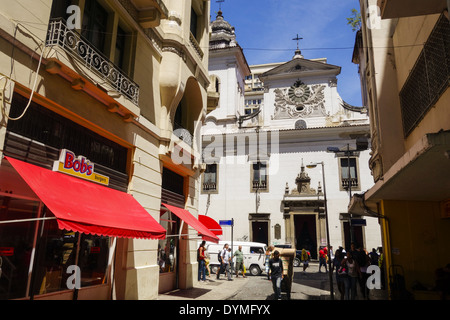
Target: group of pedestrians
{"x": 349, "y": 266}
{"x": 225, "y": 258}
{"x": 351, "y": 270}
{"x": 274, "y": 265}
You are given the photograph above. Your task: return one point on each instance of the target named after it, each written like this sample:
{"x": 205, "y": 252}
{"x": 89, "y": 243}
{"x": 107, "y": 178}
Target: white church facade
{"x": 266, "y": 124}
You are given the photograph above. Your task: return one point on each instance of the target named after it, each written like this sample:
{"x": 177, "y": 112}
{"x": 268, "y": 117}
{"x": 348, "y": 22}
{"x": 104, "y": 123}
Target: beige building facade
{"x": 120, "y": 83}
{"x": 403, "y": 53}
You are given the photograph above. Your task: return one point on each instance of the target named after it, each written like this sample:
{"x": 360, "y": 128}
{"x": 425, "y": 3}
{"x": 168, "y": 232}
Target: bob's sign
{"x": 79, "y": 167}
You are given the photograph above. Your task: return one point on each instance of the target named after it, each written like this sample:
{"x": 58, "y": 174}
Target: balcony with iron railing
{"x": 183, "y": 134}
{"x": 209, "y": 186}
{"x": 79, "y": 48}
{"x": 428, "y": 79}
{"x": 259, "y": 185}
{"x": 196, "y": 46}
{"x": 346, "y": 183}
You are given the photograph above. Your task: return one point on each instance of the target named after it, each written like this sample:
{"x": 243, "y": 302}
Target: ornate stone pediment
{"x": 303, "y": 182}
{"x": 299, "y": 101}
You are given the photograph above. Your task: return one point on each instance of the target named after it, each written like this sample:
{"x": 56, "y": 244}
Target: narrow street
{"x": 311, "y": 285}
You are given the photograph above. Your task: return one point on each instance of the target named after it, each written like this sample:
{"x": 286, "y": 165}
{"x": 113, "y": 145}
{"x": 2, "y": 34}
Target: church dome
{"x": 220, "y": 25}
{"x": 222, "y": 33}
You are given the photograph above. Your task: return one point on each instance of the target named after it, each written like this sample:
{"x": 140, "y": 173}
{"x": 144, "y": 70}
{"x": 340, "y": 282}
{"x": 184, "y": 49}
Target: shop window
{"x": 16, "y": 244}
{"x": 59, "y": 249}
{"x": 167, "y": 248}
{"x": 93, "y": 259}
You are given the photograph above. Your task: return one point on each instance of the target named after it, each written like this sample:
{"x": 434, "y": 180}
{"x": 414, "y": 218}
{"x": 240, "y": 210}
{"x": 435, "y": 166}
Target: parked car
{"x": 298, "y": 253}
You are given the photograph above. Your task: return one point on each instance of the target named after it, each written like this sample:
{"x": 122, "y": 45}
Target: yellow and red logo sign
{"x": 79, "y": 167}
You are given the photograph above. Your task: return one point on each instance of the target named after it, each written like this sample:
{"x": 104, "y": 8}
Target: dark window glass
{"x": 56, "y": 252}
{"x": 120, "y": 48}
{"x": 259, "y": 172}
{"x": 59, "y": 9}
{"x": 94, "y": 25}
{"x": 194, "y": 19}
{"x": 168, "y": 248}
{"x": 16, "y": 244}
{"x": 210, "y": 177}
{"x": 47, "y": 127}
{"x": 93, "y": 260}
{"x": 172, "y": 182}
{"x": 345, "y": 167}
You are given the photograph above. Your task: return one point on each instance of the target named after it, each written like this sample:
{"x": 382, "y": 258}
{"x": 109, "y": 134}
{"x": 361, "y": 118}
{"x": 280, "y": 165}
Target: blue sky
{"x": 265, "y": 29}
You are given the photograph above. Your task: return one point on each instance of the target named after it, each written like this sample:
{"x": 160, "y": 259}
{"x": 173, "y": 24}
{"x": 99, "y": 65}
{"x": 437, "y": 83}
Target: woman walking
{"x": 268, "y": 256}
{"x": 353, "y": 273}
{"x": 337, "y": 262}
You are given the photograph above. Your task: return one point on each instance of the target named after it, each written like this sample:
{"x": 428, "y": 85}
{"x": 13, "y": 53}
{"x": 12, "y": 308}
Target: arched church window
{"x": 300, "y": 124}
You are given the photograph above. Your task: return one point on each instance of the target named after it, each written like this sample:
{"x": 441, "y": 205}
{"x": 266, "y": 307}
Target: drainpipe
{"x": 386, "y": 248}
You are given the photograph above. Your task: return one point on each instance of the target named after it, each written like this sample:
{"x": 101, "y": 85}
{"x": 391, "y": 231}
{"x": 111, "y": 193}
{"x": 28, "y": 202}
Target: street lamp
{"x": 330, "y": 271}
{"x": 349, "y": 182}
{"x": 361, "y": 144}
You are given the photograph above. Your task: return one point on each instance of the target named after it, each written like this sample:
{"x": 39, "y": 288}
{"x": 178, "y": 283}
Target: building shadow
{"x": 192, "y": 293}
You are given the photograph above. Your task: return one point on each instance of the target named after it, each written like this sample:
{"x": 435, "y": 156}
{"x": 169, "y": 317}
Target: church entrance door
{"x": 306, "y": 233}
{"x": 260, "y": 231}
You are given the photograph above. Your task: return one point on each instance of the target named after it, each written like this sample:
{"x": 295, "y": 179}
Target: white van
{"x": 254, "y": 255}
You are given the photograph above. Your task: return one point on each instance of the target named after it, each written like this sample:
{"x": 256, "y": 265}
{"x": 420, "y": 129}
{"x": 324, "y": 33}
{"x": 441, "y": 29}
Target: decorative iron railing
{"x": 209, "y": 186}
{"x": 429, "y": 78}
{"x": 196, "y": 46}
{"x": 183, "y": 134}
{"x": 352, "y": 182}
{"x": 78, "y": 47}
{"x": 260, "y": 185}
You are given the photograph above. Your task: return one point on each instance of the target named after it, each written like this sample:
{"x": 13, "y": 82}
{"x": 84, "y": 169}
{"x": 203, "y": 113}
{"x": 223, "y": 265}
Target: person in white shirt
{"x": 226, "y": 258}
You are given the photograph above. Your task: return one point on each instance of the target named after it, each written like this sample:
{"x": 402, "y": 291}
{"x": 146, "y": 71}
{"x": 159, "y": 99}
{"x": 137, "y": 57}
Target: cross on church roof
{"x": 296, "y": 38}
{"x": 220, "y": 3}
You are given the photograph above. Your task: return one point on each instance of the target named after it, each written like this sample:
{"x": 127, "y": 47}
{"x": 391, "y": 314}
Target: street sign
{"x": 358, "y": 222}
{"x": 226, "y": 222}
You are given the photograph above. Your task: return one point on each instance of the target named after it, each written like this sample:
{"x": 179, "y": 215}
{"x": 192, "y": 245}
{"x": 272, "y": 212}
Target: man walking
{"x": 276, "y": 273}
{"x": 226, "y": 258}
{"x": 239, "y": 261}
{"x": 222, "y": 262}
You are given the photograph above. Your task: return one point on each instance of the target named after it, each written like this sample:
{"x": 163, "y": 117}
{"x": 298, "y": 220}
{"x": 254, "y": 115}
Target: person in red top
{"x": 323, "y": 259}
{"x": 201, "y": 262}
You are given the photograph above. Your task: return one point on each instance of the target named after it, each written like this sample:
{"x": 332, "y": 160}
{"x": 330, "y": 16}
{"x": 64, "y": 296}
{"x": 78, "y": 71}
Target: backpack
{"x": 219, "y": 256}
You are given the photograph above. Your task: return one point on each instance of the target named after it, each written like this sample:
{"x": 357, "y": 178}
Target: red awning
{"x": 211, "y": 224}
{"x": 192, "y": 221}
{"x": 87, "y": 207}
